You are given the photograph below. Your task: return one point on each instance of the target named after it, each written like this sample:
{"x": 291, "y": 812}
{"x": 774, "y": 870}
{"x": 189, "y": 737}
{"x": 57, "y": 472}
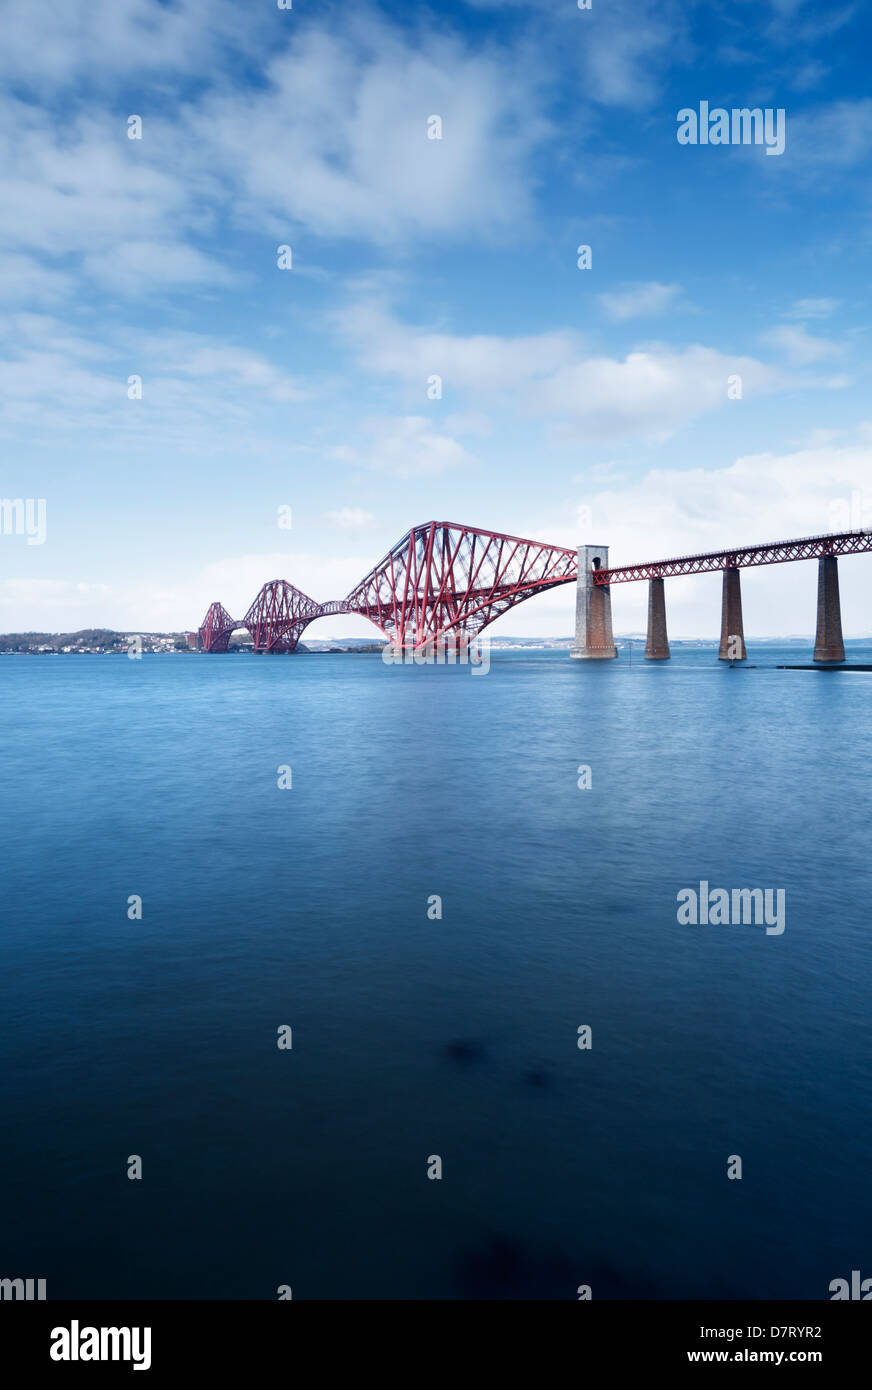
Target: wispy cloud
{"x": 100, "y": 43}
{"x": 812, "y": 308}
{"x": 825, "y": 140}
{"x": 408, "y": 447}
{"x": 649, "y": 392}
{"x": 647, "y": 299}
{"x": 799, "y": 346}
{"x": 366, "y": 165}
{"x": 350, "y": 518}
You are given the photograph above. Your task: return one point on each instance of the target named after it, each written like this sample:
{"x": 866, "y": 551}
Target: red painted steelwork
{"x": 442, "y": 578}
{"x": 446, "y": 582}
{"x": 278, "y": 615}
{"x": 275, "y": 619}
{"x": 215, "y": 629}
{"x": 772, "y": 553}
{"x": 441, "y": 581}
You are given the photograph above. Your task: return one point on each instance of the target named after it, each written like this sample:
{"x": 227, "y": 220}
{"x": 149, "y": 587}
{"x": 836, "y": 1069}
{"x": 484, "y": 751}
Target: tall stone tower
{"x": 593, "y": 607}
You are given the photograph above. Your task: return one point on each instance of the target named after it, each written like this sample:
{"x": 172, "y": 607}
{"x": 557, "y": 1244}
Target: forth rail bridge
{"x": 442, "y": 584}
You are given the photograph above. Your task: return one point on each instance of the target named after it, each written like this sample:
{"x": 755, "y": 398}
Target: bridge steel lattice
{"x": 275, "y": 619}
{"x": 216, "y": 628}
{"x": 770, "y": 553}
{"x": 279, "y": 614}
{"x": 442, "y": 583}
{"x": 595, "y": 581}
{"x": 442, "y": 579}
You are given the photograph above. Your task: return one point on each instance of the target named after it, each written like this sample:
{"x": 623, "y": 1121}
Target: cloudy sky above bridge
{"x": 577, "y": 404}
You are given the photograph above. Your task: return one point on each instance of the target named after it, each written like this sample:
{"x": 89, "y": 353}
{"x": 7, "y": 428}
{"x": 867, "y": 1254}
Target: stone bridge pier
{"x": 593, "y": 607}
{"x": 732, "y": 645}
{"x": 657, "y": 645}
{"x": 594, "y": 640}
{"x": 829, "y": 646}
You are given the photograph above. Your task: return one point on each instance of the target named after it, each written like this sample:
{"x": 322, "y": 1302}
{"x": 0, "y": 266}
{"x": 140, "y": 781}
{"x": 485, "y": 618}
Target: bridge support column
{"x": 657, "y": 645}
{"x": 732, "y": 646}
{"x": 593, "y": 607}
{"x": 829, "y": 645}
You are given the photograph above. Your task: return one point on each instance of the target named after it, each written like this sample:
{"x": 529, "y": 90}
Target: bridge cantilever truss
{"x": 216, "y": 628}
{"x": 443, "y": 578}
{"x": 441, "y": 581}
{"x": 275, "y": 619}
{"x": 279, "y": 614}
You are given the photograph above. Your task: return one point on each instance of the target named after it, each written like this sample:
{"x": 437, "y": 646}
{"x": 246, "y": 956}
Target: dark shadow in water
{"x": 614, "y": 908}
{"x": 466, "y": 1051}
{"x": 503, "y": 1268}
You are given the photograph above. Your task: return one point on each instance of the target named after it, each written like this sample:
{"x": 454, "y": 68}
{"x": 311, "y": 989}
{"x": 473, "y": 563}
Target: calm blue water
{"x": 414, "y": 1037}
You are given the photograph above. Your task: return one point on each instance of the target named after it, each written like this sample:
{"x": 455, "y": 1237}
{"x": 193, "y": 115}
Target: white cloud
{"x": 199, "y": 357}
{"x": 650, "y": 392}
{"x": 813, "y": 308}
{"x": 626, "y": 50}
{"x": 103, "y": 42}
{"x": 237, "y": 580}
{"x": 24, "y": 281}
{"x": 139, "y": 266}
{"x": 350, "y": 518}
{"x": 640, "y": 300}
{"x": 408, "y": 447}
{"x": 29, "y": 604}
{"x": 828, "y": 139}
{"x": 480, "y": 362}
{"x": 665, "y": 513}
{"x": 55, "y": 605}
{"x": 331, "y": 140}
{"x": 760, "y": 497}
{"x": 119, "y": 210}
{"x": 50, "y": 378}
{"x": 362, "y": 165}
{"x": 799, "y": 346}
{"x": 809, "y": 77}
{"x": 197, "y": 392}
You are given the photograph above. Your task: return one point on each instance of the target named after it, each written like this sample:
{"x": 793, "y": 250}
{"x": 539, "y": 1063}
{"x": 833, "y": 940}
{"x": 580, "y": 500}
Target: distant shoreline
{"x": 171, "y": 645}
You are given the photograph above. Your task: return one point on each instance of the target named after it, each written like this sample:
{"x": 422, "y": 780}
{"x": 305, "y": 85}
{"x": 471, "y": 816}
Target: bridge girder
{"x": 769, "y": 553}
{"x": 444, "y": 581}
{"x": 440, "y": 581}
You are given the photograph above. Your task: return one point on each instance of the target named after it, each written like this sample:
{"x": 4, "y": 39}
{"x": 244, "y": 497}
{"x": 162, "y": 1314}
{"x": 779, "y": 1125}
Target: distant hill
{"x": 89, "y": 639}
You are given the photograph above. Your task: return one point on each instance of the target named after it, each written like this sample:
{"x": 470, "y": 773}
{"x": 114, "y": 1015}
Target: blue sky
{"x": 576, "y": 404}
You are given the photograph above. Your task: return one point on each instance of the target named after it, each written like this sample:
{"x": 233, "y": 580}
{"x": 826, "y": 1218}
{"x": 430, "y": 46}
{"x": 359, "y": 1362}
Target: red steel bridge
{"x": 439, "y": 579}
{"x": 770, "y": 553}
{"x": 443, "y": 582}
